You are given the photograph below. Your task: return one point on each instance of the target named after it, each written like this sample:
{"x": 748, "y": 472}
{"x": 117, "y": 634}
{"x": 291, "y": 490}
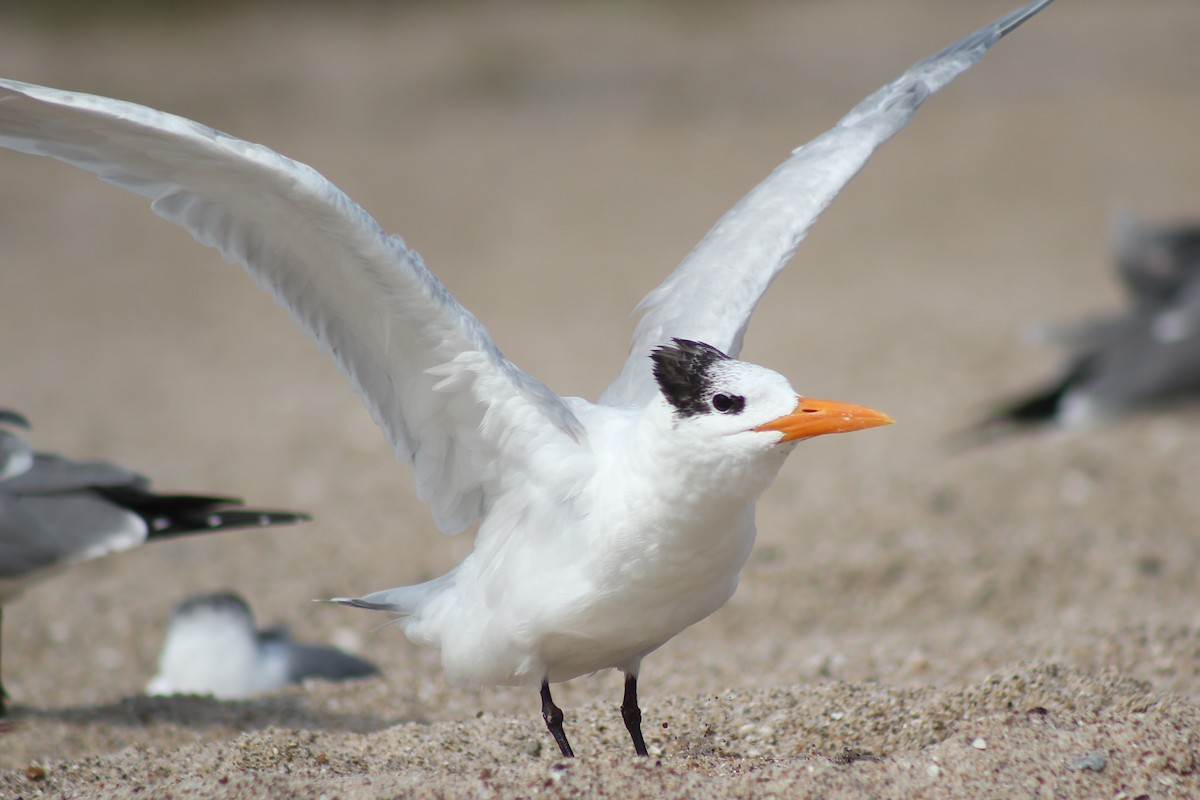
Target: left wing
{"x": 711, "y": 295}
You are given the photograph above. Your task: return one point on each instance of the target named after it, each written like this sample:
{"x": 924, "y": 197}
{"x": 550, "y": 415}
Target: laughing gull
{"x": 605, "y": 528}
{"x": 1146, "y": 356}
{"x": 212, "y": 647}
{"x": 55, "y": 512}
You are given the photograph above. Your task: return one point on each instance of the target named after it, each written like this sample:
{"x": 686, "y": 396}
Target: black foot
{"x": 633, "y": 715}
{"x": 554, "y": 720}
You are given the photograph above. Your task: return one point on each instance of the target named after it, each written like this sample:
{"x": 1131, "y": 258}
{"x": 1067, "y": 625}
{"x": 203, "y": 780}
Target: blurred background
{"x": 552, "y": 162}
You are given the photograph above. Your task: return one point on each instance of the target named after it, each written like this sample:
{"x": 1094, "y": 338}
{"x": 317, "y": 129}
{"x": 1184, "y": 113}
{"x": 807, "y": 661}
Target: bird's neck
{"x": 692, "y": 482}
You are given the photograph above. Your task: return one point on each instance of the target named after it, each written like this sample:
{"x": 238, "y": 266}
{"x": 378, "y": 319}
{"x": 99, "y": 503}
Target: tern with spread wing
{"x": 605, "y": 528}
{"x": 55, "y": 512}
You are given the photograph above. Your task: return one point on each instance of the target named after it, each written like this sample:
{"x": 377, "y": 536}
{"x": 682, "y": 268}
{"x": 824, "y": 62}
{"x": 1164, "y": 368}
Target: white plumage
{"x": 605, "y": 528}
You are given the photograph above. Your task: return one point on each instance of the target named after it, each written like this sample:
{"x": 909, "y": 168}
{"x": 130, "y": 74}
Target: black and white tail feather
{"x": 55, "y": 511}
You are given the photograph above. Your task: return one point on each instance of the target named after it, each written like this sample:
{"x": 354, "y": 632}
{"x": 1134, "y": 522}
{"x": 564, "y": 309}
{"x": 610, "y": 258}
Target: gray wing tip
{"x": 906, "y": 93}
{"x": 1007, "y": 25}
{"x": 978, "y": 42}
{"x": 321, "y": 662}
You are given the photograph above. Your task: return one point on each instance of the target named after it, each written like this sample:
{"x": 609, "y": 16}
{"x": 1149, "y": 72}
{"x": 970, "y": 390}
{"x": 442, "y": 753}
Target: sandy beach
{"x": 1013, "y": 620}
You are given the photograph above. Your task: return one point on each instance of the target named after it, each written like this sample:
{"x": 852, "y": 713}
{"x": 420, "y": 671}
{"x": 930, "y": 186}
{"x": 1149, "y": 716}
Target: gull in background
{"x": 605, "y": 528}
{"x": 55, "y": 512}
{"x": 212, "y": 647}
{"x": 1147, "y": 356}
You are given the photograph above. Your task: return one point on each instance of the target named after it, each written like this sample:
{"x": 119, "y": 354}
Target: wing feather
{"x": 711, "y": 295}
{"x": 425, "y": 367}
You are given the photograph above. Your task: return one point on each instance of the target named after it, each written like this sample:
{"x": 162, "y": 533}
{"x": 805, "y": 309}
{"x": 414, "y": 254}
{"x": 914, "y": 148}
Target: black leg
{"x": 554, "y": 720}
{"x": 632, "y": 714}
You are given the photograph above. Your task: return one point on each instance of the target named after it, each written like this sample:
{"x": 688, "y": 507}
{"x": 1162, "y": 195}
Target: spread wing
{"x": 712, "y": 293}
{"x": 447, "y": 398}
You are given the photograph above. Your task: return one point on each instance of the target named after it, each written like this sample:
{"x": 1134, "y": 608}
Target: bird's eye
{"x": 728, "y": 404}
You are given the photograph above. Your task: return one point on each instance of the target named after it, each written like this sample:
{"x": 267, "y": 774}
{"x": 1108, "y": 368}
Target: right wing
{"x": 447, "y": 398}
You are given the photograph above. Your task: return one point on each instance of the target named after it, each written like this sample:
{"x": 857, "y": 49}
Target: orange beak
{"x": 817, "y": 417}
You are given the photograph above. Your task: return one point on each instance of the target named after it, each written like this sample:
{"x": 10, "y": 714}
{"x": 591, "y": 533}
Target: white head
{"x": 738, "y": 411}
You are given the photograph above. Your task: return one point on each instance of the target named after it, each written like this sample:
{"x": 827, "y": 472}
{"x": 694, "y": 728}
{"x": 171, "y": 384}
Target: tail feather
{"x": 358, "y": 602}
{"x": 403, "y": 600}
{"x": 1037, "y": 409}
{"x": 176, "y": 515}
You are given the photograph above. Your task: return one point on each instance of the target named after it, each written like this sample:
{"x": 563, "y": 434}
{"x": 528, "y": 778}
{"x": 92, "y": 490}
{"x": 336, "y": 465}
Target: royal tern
{"x": 212, "y": 647}
{"x": 1145, "y": 357}
{"x": 604, "y": 528}
{"x": 55, "y": 512}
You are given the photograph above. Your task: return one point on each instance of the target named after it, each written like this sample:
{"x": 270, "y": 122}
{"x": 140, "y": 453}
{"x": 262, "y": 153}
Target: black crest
{"x": 683, "y": 372}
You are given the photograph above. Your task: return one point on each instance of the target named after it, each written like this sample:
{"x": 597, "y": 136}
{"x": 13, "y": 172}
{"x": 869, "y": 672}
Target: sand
{"x": 1015, "y": 620}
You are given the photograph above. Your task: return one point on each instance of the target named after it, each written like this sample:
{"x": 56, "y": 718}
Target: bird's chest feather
{"x": 667, "y": 550}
